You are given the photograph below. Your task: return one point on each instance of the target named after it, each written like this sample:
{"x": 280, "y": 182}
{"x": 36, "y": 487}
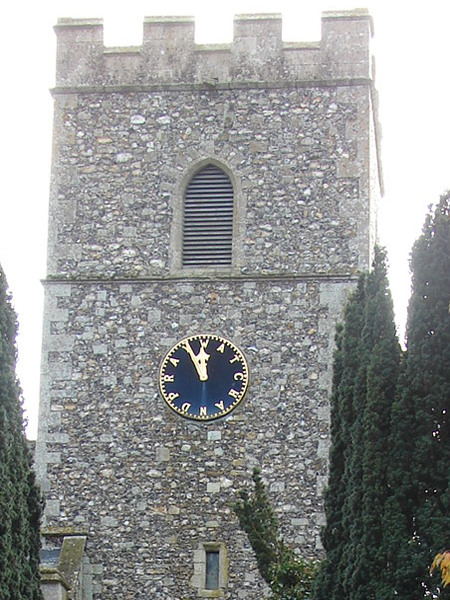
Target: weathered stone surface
{"x": 128, "y": 233}
{"x": 292, "y": 126}
{"x": 135, "y": 473}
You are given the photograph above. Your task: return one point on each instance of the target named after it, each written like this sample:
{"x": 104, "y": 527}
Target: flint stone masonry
{"x": 126, "y": 236}
{"x": 293, "y": 126}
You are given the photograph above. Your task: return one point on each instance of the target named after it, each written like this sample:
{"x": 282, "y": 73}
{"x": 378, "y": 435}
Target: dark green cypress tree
{"x": 382, "y": 363}
{"x": 420, "y": 512}
{"x": 329, "y": 584}
{"x": 20, "y": 503}
{"x": 366, "y": 368}
{"x": 388, "y": 502}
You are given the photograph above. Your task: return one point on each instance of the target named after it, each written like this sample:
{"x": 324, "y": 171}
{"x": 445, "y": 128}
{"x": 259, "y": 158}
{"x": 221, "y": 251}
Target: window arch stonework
{"x": 208, "y": 219}
{"x": 178, "y": 263}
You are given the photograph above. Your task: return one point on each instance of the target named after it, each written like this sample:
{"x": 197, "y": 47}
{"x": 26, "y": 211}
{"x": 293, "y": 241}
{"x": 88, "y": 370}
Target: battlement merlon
{"x": 169, "y": 56}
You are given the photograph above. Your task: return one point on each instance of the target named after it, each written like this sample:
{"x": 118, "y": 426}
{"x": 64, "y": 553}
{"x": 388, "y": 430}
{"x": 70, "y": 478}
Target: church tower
{"x": 210, "y": 209}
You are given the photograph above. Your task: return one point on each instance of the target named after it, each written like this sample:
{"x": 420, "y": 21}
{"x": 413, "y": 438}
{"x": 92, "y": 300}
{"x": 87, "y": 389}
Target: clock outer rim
{"x": 187, "y": 417}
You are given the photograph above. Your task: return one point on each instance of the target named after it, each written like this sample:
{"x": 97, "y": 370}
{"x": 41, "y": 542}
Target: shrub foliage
{"x": 289, "y": 576}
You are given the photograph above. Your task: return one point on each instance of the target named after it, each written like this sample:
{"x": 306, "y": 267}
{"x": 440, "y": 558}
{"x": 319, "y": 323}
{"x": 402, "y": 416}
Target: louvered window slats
{"x": 208, "y": 219}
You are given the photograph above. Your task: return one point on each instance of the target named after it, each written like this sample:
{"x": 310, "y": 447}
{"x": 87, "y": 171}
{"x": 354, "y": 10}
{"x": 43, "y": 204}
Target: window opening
{"x": 212, "y": 570}
{"x": 208, "y": 219}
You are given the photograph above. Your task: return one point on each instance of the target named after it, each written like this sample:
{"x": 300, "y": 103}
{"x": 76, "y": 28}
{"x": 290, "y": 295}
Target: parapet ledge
{"x": 169, "y": 55}
{"x": 354, "y": 13}
{"x": 61, "y": 532}
{"x": 169, "y": 19}
{"x": 68, "y": 22}
{"x": 122, "y": 50}
{"x": 347, "y": 15}
{"x": 301, "y": 45}
{"x": 258, "y": 17}
{"x": 212, "y": 47}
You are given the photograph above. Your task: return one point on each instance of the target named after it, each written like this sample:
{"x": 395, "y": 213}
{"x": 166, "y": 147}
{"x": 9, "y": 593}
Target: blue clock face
{"x": 203, "y": 377}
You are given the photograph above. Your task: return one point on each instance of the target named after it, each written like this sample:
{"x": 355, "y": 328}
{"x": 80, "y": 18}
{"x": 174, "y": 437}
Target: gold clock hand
{"x": 199, "y": 360}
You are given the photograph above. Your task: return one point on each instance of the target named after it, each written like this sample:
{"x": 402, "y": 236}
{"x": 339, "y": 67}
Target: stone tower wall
{"x": 293, "y": 126}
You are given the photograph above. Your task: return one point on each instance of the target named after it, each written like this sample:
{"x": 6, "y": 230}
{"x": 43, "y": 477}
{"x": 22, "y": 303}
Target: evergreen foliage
{"x": 289, "y": 576}
{"x": 366, "y": 368}
{"x": 388, "y": 500}
{"x": 20, "y": 502}
{"x": 329, "y": 583}
{"x": 419, "y": 523}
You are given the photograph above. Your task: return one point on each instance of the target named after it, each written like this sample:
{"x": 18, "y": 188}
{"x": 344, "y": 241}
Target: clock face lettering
{"x": 203, "y": 377}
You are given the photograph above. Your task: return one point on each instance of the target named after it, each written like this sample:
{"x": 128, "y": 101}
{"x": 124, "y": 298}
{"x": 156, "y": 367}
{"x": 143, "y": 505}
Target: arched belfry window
{"x": 208, "y": 219}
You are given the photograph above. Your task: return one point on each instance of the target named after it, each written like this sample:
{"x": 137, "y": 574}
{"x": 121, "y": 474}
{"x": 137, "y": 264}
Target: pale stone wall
{"x": 293, "y": 127}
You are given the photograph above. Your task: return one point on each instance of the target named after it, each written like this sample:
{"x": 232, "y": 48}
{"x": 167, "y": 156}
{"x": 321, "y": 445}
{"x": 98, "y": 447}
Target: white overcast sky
{"x": 412, "y": 53}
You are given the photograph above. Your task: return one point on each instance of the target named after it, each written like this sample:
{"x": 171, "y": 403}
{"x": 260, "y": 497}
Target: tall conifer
{"x": 329, "y": 584}
{"x": 366, "y": 366}
{"x": 388, "y": 501}
{"x": 419, "y": 523}
{"x": 382, "y": 358}
{"x": 20, "y": 505}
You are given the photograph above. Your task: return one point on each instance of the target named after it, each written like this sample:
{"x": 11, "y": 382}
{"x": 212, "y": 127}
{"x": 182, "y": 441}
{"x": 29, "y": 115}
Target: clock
{"x": 203, "y": 377}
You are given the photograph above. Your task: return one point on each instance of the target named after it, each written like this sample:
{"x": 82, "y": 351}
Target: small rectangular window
{"x": 212, "y": 570}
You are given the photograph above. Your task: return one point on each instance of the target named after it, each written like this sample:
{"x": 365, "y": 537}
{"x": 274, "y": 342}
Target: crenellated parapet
{"x": 258, "y": 56}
